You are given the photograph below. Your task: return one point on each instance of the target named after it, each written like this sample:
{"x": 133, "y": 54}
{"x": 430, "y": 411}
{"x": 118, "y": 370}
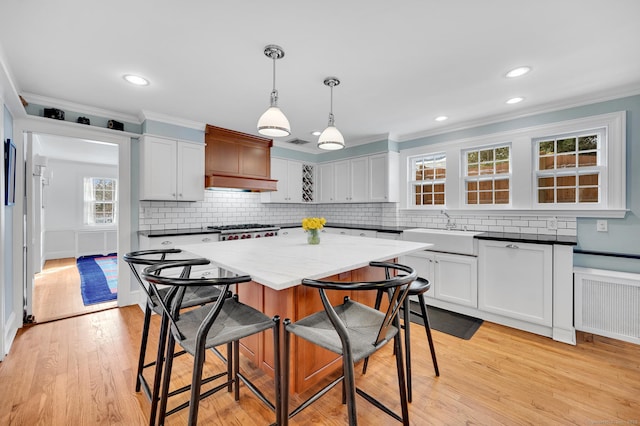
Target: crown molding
{"x": 85, "y": 109}
{"x": 156, "y": 116}
{"x": 593, "y": 98}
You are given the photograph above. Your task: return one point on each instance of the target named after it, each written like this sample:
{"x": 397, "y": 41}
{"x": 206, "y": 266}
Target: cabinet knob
{"x": 285, "y": 232}
{"x": 206, "y": 240}
{"x": 362, "y": 234}
{"x": 512, "y": 246}
{"x": 166, "y": 243}
{"x": 180, "y": 195}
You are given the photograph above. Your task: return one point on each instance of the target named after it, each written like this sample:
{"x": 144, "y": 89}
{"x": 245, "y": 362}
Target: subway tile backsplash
{"x": 226, "y": 208}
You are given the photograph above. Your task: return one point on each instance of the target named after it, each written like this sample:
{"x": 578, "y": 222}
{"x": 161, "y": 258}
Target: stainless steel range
{"x": 245, "y": 231}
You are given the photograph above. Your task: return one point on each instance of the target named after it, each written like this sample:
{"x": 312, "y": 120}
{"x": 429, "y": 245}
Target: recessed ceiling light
{"x": 515, "y": 100}
{"x": 316, "y": 133}
{"x": 517, "y": 72}
{"x": 441, "y": 118}
{"x": 136, "y": 79}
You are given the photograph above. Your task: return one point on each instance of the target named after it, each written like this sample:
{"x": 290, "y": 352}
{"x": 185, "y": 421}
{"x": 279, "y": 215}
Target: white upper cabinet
{"x": 372, "y": 178}
{"x": 171, "y": 170}
{"x": 351, "y": 180}
{"x": 288, "y": 173}
{"x": 384, "y": 178}
{"x": 326, "y": 183}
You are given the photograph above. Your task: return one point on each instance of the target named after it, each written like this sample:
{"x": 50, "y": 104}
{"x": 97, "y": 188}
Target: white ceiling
{"x": 401, "y": 64}
{"x": 78, "y": 150}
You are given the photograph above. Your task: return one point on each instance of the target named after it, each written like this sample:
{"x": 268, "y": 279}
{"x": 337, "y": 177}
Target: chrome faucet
{"x": 450, "y": 224}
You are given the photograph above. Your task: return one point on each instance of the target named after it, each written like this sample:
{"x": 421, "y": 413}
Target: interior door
{"x": 29, "y": 243}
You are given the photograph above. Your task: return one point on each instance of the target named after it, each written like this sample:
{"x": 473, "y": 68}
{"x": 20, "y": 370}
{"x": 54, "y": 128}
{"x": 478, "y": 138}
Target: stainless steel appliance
{"x": 245, "y": 231}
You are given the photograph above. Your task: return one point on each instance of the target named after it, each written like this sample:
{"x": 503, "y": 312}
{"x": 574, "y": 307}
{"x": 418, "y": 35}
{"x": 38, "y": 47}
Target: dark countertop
{"x": 495, "y": 236}
{"x": 379, "y": 228}
{"x": 175, "y": 232}
{"x": 529, "y": 238}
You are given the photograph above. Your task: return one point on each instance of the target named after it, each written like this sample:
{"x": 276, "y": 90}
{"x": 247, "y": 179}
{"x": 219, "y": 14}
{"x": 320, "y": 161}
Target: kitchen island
{"x": 278, "y": 265}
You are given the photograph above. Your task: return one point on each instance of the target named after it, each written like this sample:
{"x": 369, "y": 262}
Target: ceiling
{"x": 77, "y": 150}
{"x": 401, "y": 64}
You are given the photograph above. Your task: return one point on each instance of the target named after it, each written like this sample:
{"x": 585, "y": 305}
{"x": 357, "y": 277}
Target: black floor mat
{"x": 452, "y": 323}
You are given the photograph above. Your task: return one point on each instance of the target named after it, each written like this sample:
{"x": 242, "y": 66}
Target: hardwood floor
{"x": 80, "y": 371}
{"x": 57, "y": 292}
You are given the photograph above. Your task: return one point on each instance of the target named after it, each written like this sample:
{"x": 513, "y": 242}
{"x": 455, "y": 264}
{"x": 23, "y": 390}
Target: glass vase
{"x": 313, "y": 236}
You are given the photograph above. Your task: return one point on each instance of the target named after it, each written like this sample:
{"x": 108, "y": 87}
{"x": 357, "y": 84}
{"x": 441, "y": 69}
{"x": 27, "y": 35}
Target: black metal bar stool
{"x": 223, "y": 322}
{"x": 193, "y": 297}
{"x": 354, "y": 331}
{"x": 417, "y": 288}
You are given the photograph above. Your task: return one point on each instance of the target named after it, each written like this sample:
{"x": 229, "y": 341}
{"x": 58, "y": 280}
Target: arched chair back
{"x": 360, "y": 331}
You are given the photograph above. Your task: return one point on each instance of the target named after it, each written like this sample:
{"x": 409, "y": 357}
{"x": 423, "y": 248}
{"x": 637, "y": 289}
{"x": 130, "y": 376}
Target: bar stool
{"x": 223, "y": 322}
{"x": 354, "y": 331}
{"x": 417, "y": 288}
{"x": 194, "y": 297}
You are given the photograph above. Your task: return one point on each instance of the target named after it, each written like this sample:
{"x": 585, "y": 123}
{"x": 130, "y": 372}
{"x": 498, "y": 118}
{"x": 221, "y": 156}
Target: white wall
{"x": 64, "y": 204}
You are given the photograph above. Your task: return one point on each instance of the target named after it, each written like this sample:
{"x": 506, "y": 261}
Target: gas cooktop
{"x": 241, "y": 227}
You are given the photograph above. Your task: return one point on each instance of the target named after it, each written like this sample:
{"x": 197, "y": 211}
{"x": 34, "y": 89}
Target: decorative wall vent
{"x": 297, "y": 141}
{"x": 607, "y": 303}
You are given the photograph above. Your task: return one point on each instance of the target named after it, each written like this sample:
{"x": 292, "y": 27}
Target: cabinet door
{"x": 457, "y": 278}
{"x": 515, "y": 280}
{"x": 359, "y": 179}
{"x": 279, "y": 172}
{"x": 327, "y": 183}
{"x": 378, "y": 178}
{"x": 190, "y": 172}
{"x": 157, "y": 169}
{"x": 423, "y": 263}
{"x": 342, "y": 181}
{"x": 294, "y": 182}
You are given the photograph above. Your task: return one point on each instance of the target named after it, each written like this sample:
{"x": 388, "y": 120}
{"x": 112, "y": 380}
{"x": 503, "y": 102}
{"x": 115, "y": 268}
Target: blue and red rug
{"x": 98, "y": 278}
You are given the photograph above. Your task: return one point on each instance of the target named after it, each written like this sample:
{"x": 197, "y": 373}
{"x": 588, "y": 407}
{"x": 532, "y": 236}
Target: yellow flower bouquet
{"x": 313, "y": 225}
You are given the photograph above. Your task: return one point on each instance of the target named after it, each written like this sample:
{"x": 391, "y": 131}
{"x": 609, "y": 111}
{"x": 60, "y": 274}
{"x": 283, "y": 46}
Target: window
{"x": 100, "y": 201}
{"x": 569, "y": 168}
{"x": 487, "y": 175}
{"x": 428, "y": 179}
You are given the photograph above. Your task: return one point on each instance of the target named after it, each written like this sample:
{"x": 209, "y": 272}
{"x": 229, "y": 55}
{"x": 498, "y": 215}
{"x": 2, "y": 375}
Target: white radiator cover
{"x": 607, "y": 303}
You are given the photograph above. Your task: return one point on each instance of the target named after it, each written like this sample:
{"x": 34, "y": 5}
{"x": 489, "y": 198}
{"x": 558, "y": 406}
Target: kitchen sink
{"x": 450, "y": 241}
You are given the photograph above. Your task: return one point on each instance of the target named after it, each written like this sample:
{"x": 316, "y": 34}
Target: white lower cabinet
{"x": 453, "y": 278}
{"x": 169, "y": 242}
{"x": 346, "y": 231}
{"x": 516, "y": 280}
{"x": 285, "y": 232}
{"x": 457, "y": 279}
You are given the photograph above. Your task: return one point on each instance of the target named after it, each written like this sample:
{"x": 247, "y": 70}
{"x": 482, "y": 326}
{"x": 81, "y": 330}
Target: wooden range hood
{"x": 237, "y": 160}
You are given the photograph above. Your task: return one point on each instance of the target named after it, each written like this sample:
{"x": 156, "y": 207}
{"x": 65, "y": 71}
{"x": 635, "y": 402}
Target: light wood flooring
{"x": 57, "y": 292}
{"x": 80, "y": 371}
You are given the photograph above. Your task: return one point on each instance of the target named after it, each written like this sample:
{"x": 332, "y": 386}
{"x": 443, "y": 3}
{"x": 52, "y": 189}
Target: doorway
{"x": 74, "y": 220}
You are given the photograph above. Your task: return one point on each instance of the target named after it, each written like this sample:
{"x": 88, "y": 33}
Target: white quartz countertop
{"x": 282, "y": 262}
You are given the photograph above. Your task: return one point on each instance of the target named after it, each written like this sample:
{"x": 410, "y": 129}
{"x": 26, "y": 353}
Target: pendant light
{"x": 273, "y": 122}
{"x": 331, "y": 138}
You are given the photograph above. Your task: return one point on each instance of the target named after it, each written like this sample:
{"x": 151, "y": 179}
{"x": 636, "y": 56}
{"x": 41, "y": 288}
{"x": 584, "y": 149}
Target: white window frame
{"x": 600, "y": 168}
{"x": 523, "y": 172}
{"x": 90, "y": 201}
{"x": 465, "y": 178}
{"x": 435, "y": 181}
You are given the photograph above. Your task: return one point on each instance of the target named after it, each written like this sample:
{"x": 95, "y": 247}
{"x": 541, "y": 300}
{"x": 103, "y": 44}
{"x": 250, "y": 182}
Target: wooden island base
{"x": 309, "y": 363}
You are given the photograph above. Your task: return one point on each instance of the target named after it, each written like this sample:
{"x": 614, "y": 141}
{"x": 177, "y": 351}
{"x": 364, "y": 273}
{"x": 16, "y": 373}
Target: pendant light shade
{"x": 331, "y": 138}
{"x": 273, "y": 122}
